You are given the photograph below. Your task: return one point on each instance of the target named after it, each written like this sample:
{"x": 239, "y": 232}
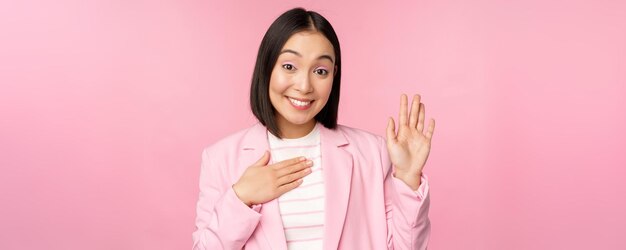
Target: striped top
{"x": 302, "y": 209}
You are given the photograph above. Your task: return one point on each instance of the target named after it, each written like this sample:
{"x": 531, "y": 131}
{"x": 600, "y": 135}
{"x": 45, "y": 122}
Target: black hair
{"x": 287, "y": 24}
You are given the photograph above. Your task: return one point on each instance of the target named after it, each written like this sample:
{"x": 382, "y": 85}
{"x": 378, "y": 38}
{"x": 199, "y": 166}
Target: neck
{"x": 292, "y": 131}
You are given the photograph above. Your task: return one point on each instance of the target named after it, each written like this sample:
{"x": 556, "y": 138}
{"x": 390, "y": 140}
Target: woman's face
{"x": 302, "y": 78}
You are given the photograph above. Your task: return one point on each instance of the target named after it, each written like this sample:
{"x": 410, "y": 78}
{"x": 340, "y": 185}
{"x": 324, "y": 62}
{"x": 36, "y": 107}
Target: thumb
{"x": 391, "y": 131}
{"x": 264, "y": 159}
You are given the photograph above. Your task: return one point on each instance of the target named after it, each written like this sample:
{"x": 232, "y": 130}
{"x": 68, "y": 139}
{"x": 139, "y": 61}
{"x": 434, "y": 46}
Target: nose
{"x": 303, "y": 83}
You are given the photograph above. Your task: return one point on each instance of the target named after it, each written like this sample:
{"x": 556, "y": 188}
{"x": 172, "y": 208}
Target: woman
{"x": 297, "y": 179}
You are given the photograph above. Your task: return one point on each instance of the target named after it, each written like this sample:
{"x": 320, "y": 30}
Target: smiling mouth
{"x": 302, "y": 104}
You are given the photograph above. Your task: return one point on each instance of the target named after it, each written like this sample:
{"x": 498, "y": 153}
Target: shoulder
{"x": 360, "y": 137}
{"x": 229, "y": 142}
{"x": 367, "y": 148}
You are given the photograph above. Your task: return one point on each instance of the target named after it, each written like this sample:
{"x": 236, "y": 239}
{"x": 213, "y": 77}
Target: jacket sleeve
{"x": 408, "y": 225}
{"x": 222, "y": 220}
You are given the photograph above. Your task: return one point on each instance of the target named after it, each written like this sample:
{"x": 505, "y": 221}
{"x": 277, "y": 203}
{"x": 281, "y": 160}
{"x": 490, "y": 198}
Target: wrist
{"x": 239, "y": 195}
{"x": 413, "y": 180}
{"x": 407, "y": 174}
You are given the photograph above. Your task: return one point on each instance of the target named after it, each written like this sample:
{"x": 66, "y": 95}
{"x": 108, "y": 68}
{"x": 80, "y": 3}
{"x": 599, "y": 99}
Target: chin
{"x": 299, "y": 122}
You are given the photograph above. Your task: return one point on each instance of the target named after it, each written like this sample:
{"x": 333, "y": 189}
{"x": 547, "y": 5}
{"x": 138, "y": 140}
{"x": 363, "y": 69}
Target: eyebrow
{"x": 298, "y": 54}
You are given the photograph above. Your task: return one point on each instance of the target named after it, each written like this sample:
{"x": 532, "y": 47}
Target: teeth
{"x": 299, "y": 103}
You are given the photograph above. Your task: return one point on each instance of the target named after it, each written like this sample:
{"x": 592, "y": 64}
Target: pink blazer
{"x": 366, "y": 207}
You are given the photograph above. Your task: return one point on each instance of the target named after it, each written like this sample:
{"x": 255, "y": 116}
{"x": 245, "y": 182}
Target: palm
{"x": 409, "y": 148}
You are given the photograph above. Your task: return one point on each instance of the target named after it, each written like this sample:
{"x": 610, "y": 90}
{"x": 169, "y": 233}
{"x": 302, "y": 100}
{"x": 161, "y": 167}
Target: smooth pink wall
{"x": 105, "y": 107}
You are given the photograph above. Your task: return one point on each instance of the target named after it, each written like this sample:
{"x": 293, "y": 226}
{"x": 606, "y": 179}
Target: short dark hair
{"x": 287, "y": 24}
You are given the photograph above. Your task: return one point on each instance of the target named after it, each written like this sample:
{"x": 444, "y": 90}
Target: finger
{"x": 288, "y": 162}
{"x": 402, "y": 118}
{"x": 391, "y": 131}
{"x": 264, "y": 159}
{"x": 294, "y": 168}
{"x": 289, "y": 186}
{"x": 294, "y": 176}
{"x": 431, "y": 129}
{"x": 422, "y": 114}
{"x": 415, "y": 109}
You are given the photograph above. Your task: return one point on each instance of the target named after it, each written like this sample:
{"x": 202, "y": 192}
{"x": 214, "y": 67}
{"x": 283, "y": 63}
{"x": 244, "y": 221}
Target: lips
{"x": 300, "y": 99}
{"x": 300, "y": 104}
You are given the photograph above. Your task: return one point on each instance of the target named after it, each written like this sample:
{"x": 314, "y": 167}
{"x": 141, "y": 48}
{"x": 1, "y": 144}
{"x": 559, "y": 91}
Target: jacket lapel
{"x": 337, "y": 164}
{"x": 271, "y": 224}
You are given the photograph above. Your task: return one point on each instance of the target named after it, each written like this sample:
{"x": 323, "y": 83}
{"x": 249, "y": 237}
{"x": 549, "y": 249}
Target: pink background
{"x": 105, "y": 107}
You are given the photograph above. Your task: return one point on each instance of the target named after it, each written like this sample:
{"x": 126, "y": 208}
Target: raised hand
{"x": 261, "y": 183}
{"x": 409, "y": 148}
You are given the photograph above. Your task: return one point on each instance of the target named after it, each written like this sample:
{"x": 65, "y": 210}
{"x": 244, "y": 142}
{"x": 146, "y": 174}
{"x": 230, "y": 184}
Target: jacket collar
{"x": 256, "y": 137}
{"x": 337, "y": 164}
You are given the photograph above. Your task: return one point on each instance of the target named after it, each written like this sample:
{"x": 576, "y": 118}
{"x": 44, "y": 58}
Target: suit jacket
{"x": 366, "y": 207}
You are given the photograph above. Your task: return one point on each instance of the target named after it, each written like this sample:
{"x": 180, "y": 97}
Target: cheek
{"x": 278, "y": 83}
{"x": 327, "y": 88}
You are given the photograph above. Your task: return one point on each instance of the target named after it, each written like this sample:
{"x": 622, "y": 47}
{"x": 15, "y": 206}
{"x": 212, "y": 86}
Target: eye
{"x": 321, "y": 72}
{"x": 288, "y": 66}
